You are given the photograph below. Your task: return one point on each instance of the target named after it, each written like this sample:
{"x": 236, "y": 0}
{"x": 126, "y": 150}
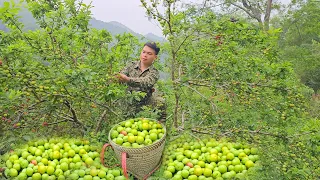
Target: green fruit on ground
{"x": 50, "y": 170}
{"x": 71, "y": 153}
{"x": 22, "y": 176}
{"x": 38, "y": 152}
{"x": 52, "y": 163}
{"x": 238, "y": 168}
{"x": 180, "y": 157}
{"x": 42, "y": 169}
{"x": 44, "y": 161}
{"x": 167, "y": 174}
{"x": 213, "y": 158}
{"x": 115, "y": 172}
{"x": 192, "y": 177}
{"x": 177, "y": 177}
{"x": 230, "y": 156}
{"x": 207, "y": 172}
{"x": 73, "y": 176}
{"x": 56, "y": 147}
{"x": 64, "y": 166}
{"x": 213, "y": 151}
{"x": 216, "y": 174}
{"x": 210, "y": 166}
{"x": 61, "y": 177}
{"x": 82, "y": 152}
{"x": 95, "y": 178}
{"x": 236, "y": 161}
{"x": 13, "y": 157}
{"x": 9, "y": 164}
{"x": 240, "y": 176}
{"x": 44, "y": 177}
{"x": 254, "y": 151}
{"x": 89, "y": 161}
{"x": 16, "y": 166}
{"x": 76, "y": 158}
{"x": 244, "y": 160}
{"x": 120, "y": 178}
{"x": 179, "y": 166}
{"x": 36, "y": 176}
{"x": 194, "y": 156}
{"x": 56, "y": 155}
{"x": 29, "y": 171}
{"x": 222, "y": 168}
{"x": 13, "y": 172}
{"x": 81, "y": 173}
{"x": 227, "y": 175}
{"x": 247, "y": 151}
{"x": 25, "y": 154}
{"x": 249, "y": 164}
{"x": 93, "y": 172}
{"x": 172, "y": 169}
{"x": 198, "y": 171}
{"x": 110, "y": 176}
{"x": 102, "y": 174}
{"x": 201, "y": 164}
{"x": 185, "y": 173}
{"x": 242, "y": 155}
{"x": 231, "y": 167}
{"x": 58, "y": 172}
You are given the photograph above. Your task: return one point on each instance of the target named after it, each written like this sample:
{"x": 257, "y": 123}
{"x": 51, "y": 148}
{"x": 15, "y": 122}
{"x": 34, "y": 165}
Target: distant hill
{"x": 154, "y": 37}
{"x": 113, "y": 27}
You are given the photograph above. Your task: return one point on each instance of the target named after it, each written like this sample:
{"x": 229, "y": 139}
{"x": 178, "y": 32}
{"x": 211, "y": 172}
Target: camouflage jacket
{"x": 141, "y": 81}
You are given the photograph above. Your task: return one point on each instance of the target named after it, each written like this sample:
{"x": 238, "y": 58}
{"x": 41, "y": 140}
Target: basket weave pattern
{"x": 141, "y": 161}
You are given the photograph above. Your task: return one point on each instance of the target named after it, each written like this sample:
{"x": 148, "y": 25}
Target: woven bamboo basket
{"x": 141, "y": 162}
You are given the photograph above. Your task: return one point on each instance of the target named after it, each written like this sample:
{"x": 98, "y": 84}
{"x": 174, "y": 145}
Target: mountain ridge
{"x": 113, "y": 27}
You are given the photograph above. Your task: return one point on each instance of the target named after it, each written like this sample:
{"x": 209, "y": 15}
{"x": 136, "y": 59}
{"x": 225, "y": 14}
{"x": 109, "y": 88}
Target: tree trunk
{"x": 255, "y": 12}
{"x": 175, "y": 89}
{"x": 267, "y": 15}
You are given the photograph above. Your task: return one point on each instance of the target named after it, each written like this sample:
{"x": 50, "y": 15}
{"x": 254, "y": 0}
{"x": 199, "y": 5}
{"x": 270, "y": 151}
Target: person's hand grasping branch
{"x": 123, "y": 78}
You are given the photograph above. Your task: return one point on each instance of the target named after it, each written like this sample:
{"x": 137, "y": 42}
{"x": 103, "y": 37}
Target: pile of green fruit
{"x": 57, "y": 159}
{"x": 208, "y": 159}
{"x": 137, "y": 133}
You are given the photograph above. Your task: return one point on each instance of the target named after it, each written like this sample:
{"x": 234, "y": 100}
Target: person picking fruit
{"x": 141, "y": 76}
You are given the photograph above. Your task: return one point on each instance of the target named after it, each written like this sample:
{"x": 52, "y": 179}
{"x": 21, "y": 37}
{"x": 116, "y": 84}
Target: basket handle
{"x": 102, "y": 155}
{"x": 124, "y": 164}
{"x": 123, "y": 160}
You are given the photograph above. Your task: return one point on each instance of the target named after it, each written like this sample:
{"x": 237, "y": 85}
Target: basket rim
{"x": 144, "y": 147}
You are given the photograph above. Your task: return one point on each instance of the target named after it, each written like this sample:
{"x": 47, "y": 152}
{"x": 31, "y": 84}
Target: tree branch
{"x": 103, "y": 105}
{"x": 74, "y": 115}
{"x": 103, "y": 115}
{"x": 214, "y": 107}
{"x": 244, "y": 9}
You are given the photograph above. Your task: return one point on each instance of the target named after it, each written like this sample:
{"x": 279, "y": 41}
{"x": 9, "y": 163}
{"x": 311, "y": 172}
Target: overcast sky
{"x": 127, "y": 12}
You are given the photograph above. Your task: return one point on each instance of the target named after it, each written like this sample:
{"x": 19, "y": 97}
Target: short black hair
{"x": 153, "y": 46}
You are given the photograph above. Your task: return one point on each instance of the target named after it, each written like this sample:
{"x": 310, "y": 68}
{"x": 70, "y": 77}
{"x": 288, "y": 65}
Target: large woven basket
{"x": 141, "y": 161}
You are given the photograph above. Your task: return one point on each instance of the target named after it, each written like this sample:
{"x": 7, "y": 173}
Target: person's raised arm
{"x": 146, "y": 82}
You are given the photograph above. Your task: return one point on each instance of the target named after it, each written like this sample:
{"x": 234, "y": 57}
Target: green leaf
{"x": 8, "y": 15}
{"x": 6, "y": 5}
